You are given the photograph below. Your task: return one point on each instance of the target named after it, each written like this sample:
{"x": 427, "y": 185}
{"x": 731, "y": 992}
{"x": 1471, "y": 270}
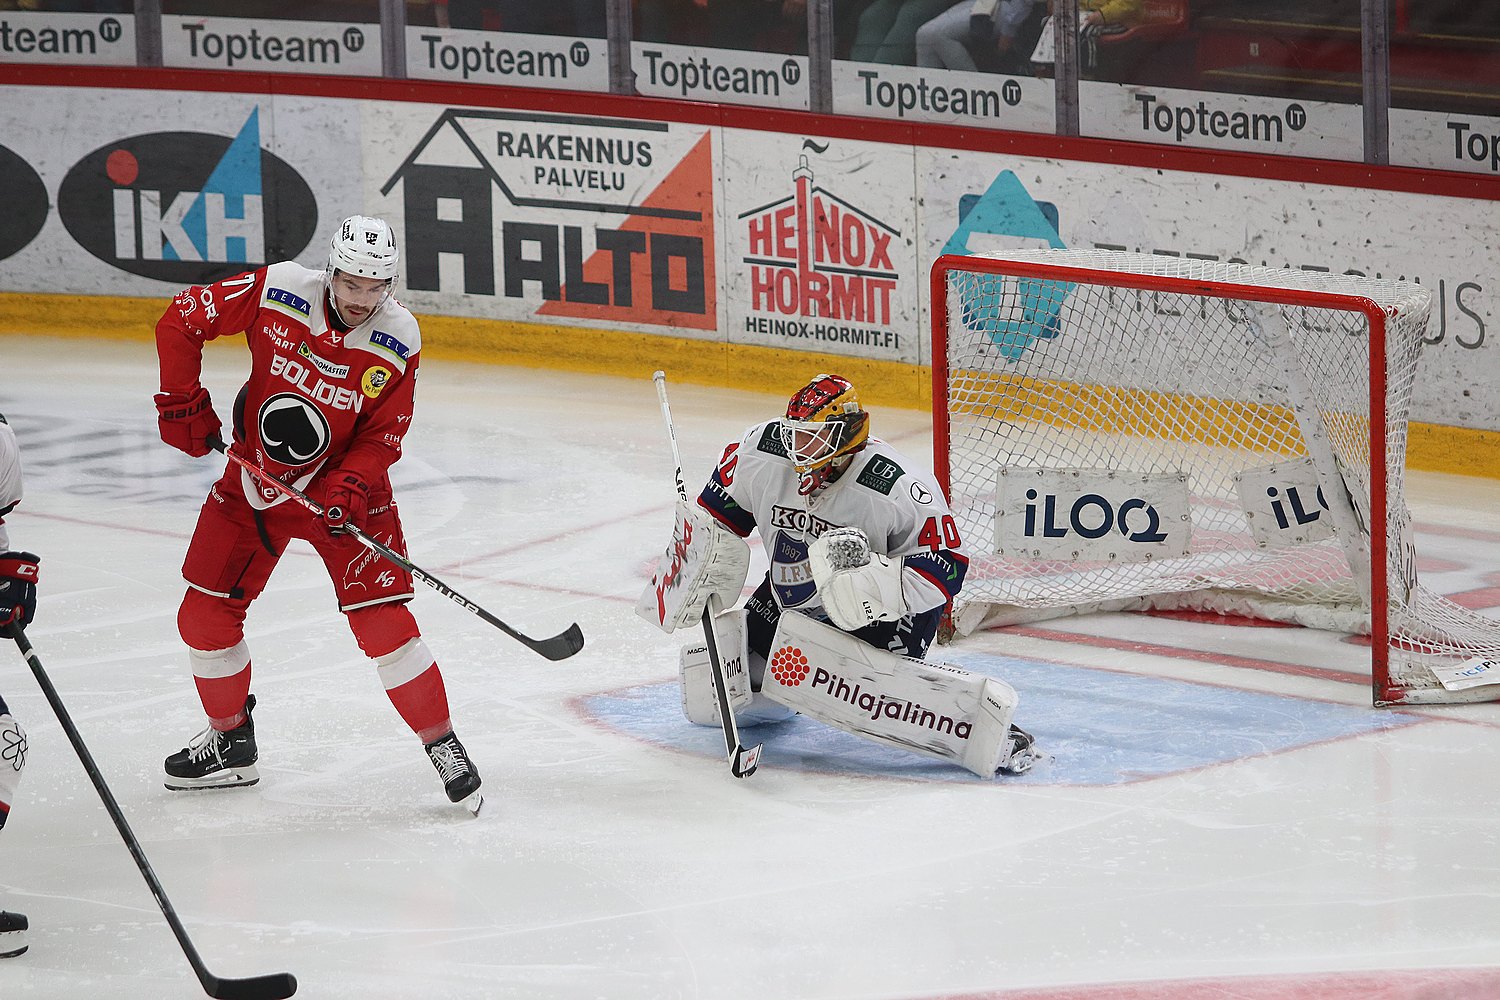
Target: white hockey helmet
{"x": 365, "y": 248}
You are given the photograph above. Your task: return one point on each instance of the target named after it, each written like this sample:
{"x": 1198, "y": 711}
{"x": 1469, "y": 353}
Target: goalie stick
{"x": 276, "y": 985}
{"x": 557, "y": 647}
{"x": 742, "y": 762}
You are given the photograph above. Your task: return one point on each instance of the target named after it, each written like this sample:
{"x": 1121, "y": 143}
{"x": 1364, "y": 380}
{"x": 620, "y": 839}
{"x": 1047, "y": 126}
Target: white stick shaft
{"x": 660, "y": 378}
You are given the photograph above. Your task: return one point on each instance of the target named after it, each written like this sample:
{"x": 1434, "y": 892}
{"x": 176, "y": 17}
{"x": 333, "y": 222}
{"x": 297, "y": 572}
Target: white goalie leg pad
{"x": 699, "y": 702}
{"x": 928, "y": 708}
{"x": 704, "y": 560}
{"x": 13, "y": 751}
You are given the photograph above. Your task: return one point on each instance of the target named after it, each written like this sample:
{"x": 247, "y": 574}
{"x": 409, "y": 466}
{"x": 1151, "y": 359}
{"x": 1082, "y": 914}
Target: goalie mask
{"x": 362, "y": 265}
{"x": 823, "y": 426}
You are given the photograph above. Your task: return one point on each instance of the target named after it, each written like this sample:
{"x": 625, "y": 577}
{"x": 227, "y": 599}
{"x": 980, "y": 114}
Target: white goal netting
{"x": 1123, "y": 430}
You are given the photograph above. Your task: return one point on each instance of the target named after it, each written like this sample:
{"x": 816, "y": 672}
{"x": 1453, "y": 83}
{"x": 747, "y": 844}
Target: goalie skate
{"x": 216, "y": 759}
{"x": 1022, "y": 753}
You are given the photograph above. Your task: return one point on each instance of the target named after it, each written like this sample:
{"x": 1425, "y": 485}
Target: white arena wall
{"x": 614, "y": 234}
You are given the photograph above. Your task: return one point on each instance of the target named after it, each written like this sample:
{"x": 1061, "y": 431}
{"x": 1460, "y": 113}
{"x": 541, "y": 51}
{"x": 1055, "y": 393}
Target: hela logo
{"x": 188, "y": 206}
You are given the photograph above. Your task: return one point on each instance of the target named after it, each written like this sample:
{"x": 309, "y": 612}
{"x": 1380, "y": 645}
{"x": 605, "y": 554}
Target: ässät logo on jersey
{"x": 292, "y": 430}
{"x": 188, "y": 207}
{"x": 25, "y": 203}
{"x": 374, "y": 381}
{"x": 789, "y": 666}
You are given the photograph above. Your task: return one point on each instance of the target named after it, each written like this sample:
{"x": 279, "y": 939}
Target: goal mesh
{"x": 1215, "y": 379}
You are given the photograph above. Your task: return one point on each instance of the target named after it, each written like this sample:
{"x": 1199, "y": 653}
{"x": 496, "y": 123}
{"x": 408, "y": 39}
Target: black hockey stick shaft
{"x": 742, "y": 762}
{"x": 275, "y": 986}
{"x": 557, "y": 647}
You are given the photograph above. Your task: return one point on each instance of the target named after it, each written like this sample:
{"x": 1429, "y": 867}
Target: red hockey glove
{"x": 18, "y": 574}
{"x": 187, "y": 420}
{"x": 346, "y": 500}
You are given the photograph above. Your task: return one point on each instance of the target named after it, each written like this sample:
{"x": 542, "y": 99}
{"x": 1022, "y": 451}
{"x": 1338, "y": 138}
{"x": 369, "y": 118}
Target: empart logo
{"x": 188, "y": 207}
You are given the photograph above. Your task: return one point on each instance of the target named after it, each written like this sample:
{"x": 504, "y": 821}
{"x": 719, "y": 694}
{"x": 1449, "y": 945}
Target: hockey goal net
{"x": 1127, "y": 431}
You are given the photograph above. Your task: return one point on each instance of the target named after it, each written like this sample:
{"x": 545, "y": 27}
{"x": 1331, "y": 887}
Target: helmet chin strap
{"x": 814, "y": 480}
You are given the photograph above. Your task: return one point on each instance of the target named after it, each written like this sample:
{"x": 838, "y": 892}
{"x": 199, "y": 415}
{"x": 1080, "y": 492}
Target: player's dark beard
{"x": 338, "y": 321}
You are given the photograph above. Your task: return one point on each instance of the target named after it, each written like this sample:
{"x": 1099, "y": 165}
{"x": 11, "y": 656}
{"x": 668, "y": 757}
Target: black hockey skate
{"x": 215, "y": 759}
{"x": 1022, "y": 752}
{"x": 460, "y": 776}
{"x": 13, "y": 928}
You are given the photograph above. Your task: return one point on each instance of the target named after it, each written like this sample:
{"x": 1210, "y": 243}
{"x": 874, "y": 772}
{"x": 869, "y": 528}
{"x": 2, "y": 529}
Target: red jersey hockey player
{"x": 329, "y": 398}
{"x": 18, "y": 575}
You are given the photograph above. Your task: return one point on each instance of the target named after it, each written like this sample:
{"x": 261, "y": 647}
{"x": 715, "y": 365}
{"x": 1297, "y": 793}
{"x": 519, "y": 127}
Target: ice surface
{"x": 1221, "y": 802}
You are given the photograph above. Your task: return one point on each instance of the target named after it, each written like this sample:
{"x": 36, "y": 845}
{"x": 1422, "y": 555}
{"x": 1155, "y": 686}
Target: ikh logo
{"x": 813, "y": 254}
{"x": 25, "y": 203}
{"x": 188, "y": 206}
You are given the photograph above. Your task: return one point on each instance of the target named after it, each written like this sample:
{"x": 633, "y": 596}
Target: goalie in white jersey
{"x": 856, "y": 537}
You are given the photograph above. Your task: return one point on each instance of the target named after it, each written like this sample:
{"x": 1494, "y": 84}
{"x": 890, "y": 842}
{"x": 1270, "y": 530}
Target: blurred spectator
{"x": 887, "y": 31}
{"x": 990, "y": 35}
{"x": 1095, "y": 17}
{"x": 339, "y": 11}
{"x": 71, "y": 6}
{"x": 778, "y": 26}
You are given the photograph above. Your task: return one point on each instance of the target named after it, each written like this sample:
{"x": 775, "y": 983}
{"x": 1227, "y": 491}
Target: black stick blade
{"x": 745, "y": 761}
{"x": 276, "y": 986}
{"x": 560, "y": 647}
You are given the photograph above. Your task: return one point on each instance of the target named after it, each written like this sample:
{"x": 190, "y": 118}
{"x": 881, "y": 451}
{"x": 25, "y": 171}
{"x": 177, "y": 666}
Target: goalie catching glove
{"x": 857, "y": 587}
{"x": 704, "y": 560}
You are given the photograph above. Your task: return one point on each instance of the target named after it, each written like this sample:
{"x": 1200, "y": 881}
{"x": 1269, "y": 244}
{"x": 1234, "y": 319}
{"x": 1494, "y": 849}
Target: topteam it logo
{"x": 188, "y": 207}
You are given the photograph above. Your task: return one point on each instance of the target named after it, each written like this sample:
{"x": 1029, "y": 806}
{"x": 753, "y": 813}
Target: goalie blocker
{"x": 703, "y": 560}
{"x": 928, "y": 708}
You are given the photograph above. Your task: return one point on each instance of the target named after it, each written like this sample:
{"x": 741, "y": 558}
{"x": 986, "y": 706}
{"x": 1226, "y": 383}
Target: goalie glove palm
{"x": 857, "y": 586}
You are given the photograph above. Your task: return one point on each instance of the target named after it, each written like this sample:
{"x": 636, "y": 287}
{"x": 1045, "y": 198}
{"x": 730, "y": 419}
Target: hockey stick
{"x": 275, "y": 986}
{"x": 558, "y": 647}
{"x": 742, "y": 762}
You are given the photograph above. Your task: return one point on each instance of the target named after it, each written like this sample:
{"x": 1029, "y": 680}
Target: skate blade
{"x": 234, "y": 777}
{"x": 13, "y": 943}
{"x": 474, "y": 803}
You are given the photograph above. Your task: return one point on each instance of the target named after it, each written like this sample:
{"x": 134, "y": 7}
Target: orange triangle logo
{"x": 672, "y": 281}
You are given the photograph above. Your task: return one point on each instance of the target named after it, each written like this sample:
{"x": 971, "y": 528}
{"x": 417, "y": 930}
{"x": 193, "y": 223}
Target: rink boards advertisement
{"x": 572, "y": 222}
{"x": 104, "y": 202}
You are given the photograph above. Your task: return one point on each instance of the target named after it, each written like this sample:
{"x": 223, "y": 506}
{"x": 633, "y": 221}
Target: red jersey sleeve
{"x": 377, "y": 436}
{"x": 200, "y": 314}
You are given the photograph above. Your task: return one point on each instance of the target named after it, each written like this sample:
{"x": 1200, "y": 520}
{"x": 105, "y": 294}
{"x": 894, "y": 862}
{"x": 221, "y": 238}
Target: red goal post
{"x": 1123, "y": 431}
